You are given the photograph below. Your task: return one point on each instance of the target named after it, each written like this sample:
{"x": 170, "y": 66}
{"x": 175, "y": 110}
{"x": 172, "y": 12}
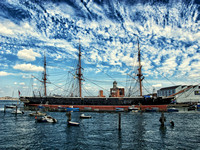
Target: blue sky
{"x": 168, "y": 31}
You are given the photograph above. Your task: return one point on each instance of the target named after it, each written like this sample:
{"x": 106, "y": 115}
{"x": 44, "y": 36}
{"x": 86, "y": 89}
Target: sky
{"x": 168, "y": 33}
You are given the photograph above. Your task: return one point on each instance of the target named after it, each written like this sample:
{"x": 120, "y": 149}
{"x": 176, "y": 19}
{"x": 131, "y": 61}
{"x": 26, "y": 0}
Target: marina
{"x": 99, "y": 74}
{"x": 138, "y": 130}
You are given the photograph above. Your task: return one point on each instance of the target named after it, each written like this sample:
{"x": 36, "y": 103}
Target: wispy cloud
{"x": 168, "y": 34}
{"x": 3, "y": 73}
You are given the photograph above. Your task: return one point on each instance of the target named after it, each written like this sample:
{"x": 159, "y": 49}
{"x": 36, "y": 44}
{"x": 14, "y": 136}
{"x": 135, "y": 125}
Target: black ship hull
{"x": 96, "y": 101}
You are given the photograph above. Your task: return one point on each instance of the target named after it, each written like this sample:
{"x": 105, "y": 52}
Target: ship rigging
{"x": 79, "y": 76}
{"x": 75, "y": 89}
{"x": 117, "y": 97}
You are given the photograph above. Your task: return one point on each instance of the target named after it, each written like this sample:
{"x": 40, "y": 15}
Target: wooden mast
{"x": 79, "y": 70}
{"x": 140, "y": 76}
{"x": 45, "y": 76}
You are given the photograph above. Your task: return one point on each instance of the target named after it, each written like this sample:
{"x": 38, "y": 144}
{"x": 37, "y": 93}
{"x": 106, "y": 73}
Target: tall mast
{"x": 45, "y": 76}
{"x": 140, "y": 76}
{"x": 79, "y": 70}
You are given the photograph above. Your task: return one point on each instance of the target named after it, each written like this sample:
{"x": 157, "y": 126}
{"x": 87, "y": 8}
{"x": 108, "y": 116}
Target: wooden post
{"x": 69, "y": 116}
{"x": 119, "y": 124}
{"x": 162, "y": 119}
{"x": 16, "y": 110}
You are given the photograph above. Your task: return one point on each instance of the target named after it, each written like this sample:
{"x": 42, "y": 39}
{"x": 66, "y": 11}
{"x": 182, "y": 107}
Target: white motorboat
{"x": 17, "y": 112}
{"x": 71, "y": 123}
{"x": 173, "y": 109}
{"x": 37, "y": 113}
{"x": 82, "y": 116}
{"x": 133, "y": 108}
{"x": 46, "y": 119}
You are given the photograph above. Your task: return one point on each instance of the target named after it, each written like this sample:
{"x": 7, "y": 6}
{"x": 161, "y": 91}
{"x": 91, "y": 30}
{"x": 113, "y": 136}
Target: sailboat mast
{"x": 139, "y": 69}
{"x": 45, "y": 76}
{"x": 79, "y": 70}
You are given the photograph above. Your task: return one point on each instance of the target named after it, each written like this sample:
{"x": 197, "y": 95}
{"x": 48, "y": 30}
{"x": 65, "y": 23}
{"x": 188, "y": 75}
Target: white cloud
{"x": 28, "y": 55}
{"x": 3, "y": 73}
{"x": 5, "y": 30}
{"x": 22, "y": 83}
{"x": 28, "y": 67}
{"x": 157, "y": 85}
{"x": 15, "y": 83}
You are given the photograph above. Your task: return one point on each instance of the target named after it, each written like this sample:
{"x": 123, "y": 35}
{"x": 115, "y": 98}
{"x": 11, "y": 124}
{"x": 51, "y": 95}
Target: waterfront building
{"x": 115, "y": 91}
{"x": 181, "y": 93}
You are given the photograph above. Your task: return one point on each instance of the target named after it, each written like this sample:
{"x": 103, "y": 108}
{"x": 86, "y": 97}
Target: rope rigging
{"x": 96, "y": 84}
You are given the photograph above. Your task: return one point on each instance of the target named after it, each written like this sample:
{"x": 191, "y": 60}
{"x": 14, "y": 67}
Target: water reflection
{"x": 119, "y": 139}
{"x": 140, "y": 131}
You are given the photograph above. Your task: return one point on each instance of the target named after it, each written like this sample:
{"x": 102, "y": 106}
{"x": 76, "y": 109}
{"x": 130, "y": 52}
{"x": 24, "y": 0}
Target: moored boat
{"x": 83, "y": 116}
{"x": 37, "y": 113}
{"x": 198, "y": 106}
{"x": 10, "y": 106}
{"x": 153, "y": 109}
{"x": 192, "y": 107}
{"x": 71, "y": 123}
{"x": 17, "y": 111}
{"x": 45, "y": 119}
{"x": 133, "y": 108}
{"x": 118, "y": 109}
{"x": 173, "y": 109}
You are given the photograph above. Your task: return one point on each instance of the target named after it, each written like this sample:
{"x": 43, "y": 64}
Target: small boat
{"x": 72, "y": 109}
{"x": 82, "y": 116}
{"x": 37, "y": 113}
{"x": 136, "y": 110}
{"x": 191, "y": 108}
{"x": 133, "y": 108}
{"x": 46, "y": 119}
{"x": 17, "y": 112}
{"x": 10, "y": 106}
{"x": 198, "y": 106}
{"x": 154, "y": 109}
{"x": 120, "y": 109}
{"x": 172, "y": 109}
{"x": 61, "y": 109}
{"x": 41, "y": 106}
{"x": 71, "y": 123}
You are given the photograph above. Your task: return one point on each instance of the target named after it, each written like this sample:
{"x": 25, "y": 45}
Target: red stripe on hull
{"x": 107, "y": 107}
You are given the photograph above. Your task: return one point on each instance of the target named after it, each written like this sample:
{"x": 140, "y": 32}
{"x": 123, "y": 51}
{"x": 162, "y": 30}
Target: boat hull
{"x": 96, "y": 100}
{"x": 97, "y": 103}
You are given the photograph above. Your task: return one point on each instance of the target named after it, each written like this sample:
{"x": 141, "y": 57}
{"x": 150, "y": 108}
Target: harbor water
{"x": 138, "y": 131}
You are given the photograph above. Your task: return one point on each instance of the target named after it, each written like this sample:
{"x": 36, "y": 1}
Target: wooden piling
{"x": 16, "y": 110}
{"x": 119, "y": 123}
{"x": 162, "y": 119}
{"x": 69, "y": 116}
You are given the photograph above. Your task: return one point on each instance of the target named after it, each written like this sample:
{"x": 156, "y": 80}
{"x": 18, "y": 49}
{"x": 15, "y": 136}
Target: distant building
{"x": 181, "y": 93}
{"x": 115, "y": 91}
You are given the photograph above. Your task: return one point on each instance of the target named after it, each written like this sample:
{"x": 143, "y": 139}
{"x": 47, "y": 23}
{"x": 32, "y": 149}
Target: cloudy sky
{"x": 168, "y": 31}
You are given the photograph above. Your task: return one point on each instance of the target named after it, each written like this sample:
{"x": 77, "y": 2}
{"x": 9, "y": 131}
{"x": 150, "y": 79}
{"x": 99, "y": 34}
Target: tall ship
{"x": 117, "y": 98}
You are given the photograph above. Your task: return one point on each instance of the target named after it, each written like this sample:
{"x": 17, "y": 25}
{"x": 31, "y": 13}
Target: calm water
{"x": 139, "y": 131}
